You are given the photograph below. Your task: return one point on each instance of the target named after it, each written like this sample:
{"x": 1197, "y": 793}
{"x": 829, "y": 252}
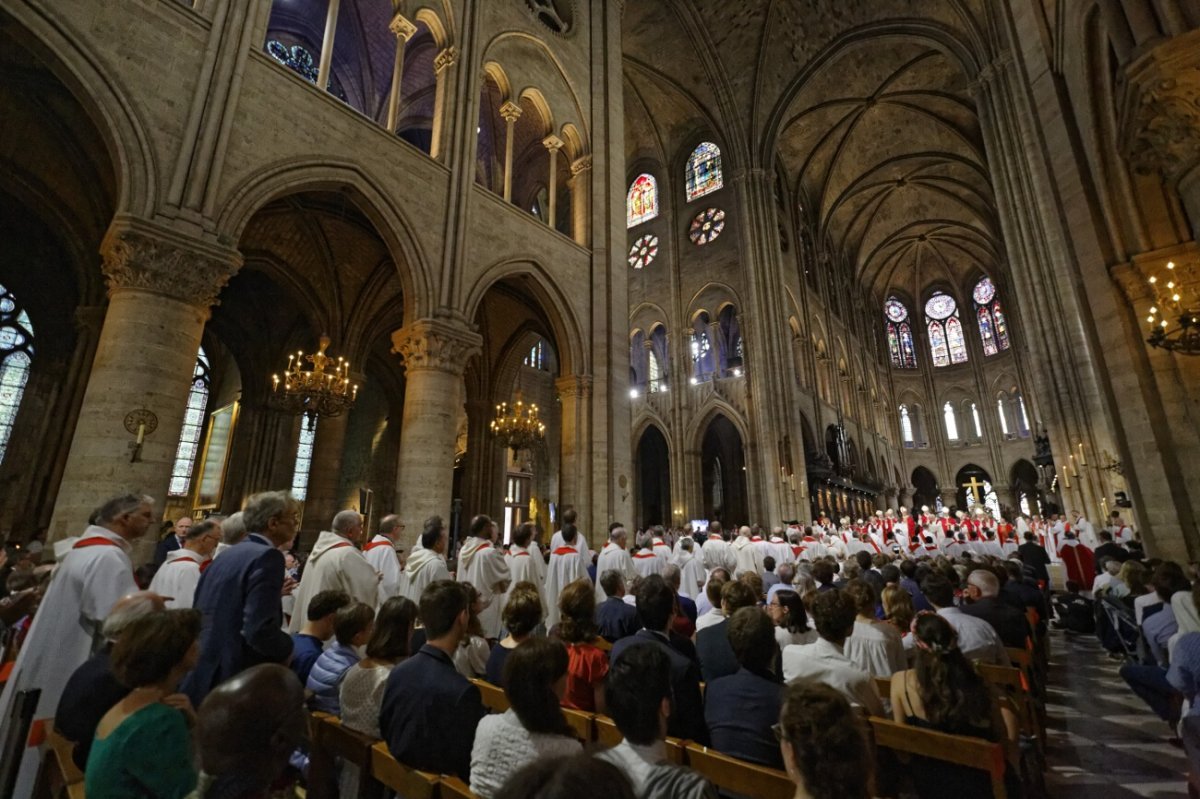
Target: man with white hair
{"x": 233, "y": 531}
{"x": 984, "y": 602}
{"x": 336, "y": 564}
{"x": 747, "y": 556}
{"x": 66, "y": 629}
{"x": 691, "y": 570}
{"x": 92, "y": 690}
{"x": 716, "y": 552}
{"x": 482, "y": 564}
{"x": 177, "y": 578}
{"x": 1109, "y": 569}
{"x": 380, "y": 552}
{"x": 616, "y": 558}
{"x": 645, "y": 562}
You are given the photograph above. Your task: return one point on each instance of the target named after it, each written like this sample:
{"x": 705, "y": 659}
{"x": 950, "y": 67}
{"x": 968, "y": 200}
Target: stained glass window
{"x": 707, "y": 226}
{"x": 296, "y": 58}
{"x": 956, "y": 340}
{"x": 908, "y": 352}
{"x": 700, "y": 345}
{"x": 536, "y": 358}
{"x": 641, "y": 203}
{"x": 947, "y": 344}
{"x": 304, "y": 454}
{"x": 977, "y": 420}
{"x": 906, "y": 427}
{"x": 993, "y": 328}
{"x": 899, "y": 335}
{"x": 1003, "y": 416}
{"x": 940, "y": 306}
{"x": 895, "y": 310}
{"x": 951, "y": 421}
{"x": 653, "y": 374}
{"x": 644, "y": 251}
{"x": 937, "y": 345}
{"x": 894, "y": 344}
{"x": 16, "y": 355}
{"x": 1023, "y": 427}
{"x": 193, "y": 424}
{"x": 703, "y": 171}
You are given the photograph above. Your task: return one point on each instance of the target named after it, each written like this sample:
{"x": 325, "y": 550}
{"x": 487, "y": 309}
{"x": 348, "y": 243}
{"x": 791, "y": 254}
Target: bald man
{"x": 173, "y": 540}
{"x": 246, "y": 728}
{"x": 337, "y": 564}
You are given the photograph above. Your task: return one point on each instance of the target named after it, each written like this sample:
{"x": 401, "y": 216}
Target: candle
{"x": 1074, "y": 473}
{"x": 141, "y": 433}
{"x": 1082, "y": 460}
{"x": 1066, "y": 478}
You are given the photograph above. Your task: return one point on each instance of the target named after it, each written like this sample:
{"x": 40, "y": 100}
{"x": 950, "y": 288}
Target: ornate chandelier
{"x": 517, "y": 426}
{"x": 1172, "y": 304}
{"x": 323, "y": 390}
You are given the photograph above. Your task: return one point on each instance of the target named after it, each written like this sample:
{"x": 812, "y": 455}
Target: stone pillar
{"x": 161, "y": 285}
{"x": 480, "y": 478}
{"x": 553, "y": 144}
{"x": 441, "y": 66}
{"x": 404, "y": 30}
{"x": 581, "y": 206}
{"x": 511, "y": 112}
{"x": 326, "y": 63}
{"x": 435, "y": 354}
{"x": 574, "y": 392}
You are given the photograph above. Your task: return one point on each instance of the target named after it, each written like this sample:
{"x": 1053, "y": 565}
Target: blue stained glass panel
{"x": 986, "y": 332}
{"x": 937, "y": 345}
{"x": 907, "y": 349}
{"x": 703, "y": 171}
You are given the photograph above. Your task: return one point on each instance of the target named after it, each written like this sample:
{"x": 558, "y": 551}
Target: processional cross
{"x": 973, "y": 486}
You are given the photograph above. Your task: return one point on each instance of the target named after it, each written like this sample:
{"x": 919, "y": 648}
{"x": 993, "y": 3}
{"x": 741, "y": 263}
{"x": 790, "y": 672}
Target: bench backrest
{"x": 956, "y": 749}
{"x": 405, "y": 781}
{"x": 738, "y": 776}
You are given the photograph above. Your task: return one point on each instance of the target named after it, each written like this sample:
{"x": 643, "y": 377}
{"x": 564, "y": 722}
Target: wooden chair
{"x": 331, "y": 741}
{"x": 959, "y": 750}
{"x": 58, "y": 775}
{"x": 493, "y": 696}
{"x": 580, "y": 722}
{"x": 406, "y": 782}
{"x": 1010, "y": 682}
{"x": 738, "y": 776}
{"x": 454, "y": 788}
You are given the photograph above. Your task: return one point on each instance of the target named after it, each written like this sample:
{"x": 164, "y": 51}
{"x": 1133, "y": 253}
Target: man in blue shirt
{"x": 615, "y": 618}
{"x": 308, "y": 644}
{"x": 430, "y": 711}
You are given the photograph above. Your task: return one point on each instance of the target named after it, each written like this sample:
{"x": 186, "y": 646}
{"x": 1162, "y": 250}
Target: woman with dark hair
{"x": 522, "y": 614}
{"x": 472, "y": 655}
{"x": 361, "y": 691}
{"x": 573, "y": 777}
{"x": 786, "y": 610}
{"x": 587, "y": 650}
{"x": 535, "y": 678}
{"x": 143, "y": 744}
{"x": 824, "y": 748}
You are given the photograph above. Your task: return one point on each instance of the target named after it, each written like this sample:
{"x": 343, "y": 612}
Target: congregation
{"x": 774, "y": 648}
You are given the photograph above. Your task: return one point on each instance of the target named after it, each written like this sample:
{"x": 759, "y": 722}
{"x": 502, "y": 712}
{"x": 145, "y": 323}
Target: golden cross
{"x": 973, "y": 485}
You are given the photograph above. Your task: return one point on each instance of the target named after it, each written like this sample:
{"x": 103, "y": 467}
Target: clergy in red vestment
{"x": 1078, "y": 560}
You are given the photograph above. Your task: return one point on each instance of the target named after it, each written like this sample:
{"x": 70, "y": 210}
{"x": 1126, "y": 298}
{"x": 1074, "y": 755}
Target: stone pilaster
{"x": 161, "y": 286}
{"x": 574, "y": 393}
{"x": 435, "y": 354}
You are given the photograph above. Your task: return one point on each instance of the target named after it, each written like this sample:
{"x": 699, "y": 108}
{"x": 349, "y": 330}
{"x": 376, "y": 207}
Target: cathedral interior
{"x": 752, "y": 261}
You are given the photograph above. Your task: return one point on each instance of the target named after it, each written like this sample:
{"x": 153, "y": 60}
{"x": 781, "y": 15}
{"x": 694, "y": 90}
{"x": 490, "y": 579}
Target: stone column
{"x": 161, "y": 285}
{"x": 581, "y": 206}
{"x": 404, "y": 30}
{"x": 479, "y": 477}
{"x": 511, "y": 112}
{"x": 435, "y": 354}
{"x": 574, "y": 392}
{"x": 326, "y": 63}
{"x": 441, "y": 66}
{"x": 553, "y": 144}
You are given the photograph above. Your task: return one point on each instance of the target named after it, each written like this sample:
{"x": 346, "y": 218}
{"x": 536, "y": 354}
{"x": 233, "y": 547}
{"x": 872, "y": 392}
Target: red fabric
{"x": 1080, "y": 565}
{"x": 341, "y": 544}
{"x": 645, "y": 555}
{"x": 566, "y": 551}
{"x": 188, "y": 560}
{"x": 374, "y": 545}
{"x": 587, "y": 666}
{"x": 95, "y": 541}
{"x": 520, "y": 554}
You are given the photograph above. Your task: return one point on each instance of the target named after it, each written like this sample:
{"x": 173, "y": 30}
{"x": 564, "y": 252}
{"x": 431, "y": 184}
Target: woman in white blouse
{"x": 535, "y": 678}
{"x": 875, "y": 646}
{"x": 786, "y": 609}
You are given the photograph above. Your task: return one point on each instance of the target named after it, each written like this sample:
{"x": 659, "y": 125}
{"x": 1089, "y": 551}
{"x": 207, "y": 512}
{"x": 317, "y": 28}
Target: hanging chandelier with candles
{"x": 322, "y": 390}
{"x": 1176, "y": 301}
{"x": 518, "y": 426}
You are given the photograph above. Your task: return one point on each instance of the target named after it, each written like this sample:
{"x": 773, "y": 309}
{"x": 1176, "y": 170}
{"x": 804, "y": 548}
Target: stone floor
{"x": 1102, "y": 741}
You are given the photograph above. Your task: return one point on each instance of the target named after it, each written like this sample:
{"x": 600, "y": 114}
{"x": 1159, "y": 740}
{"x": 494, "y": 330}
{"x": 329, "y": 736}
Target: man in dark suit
{"x": 1034, "y": 555}
{"x": 717, "y": 658}
{"x": 741, "y": 707}
{"x": 173, "y": 540}
{"x": 984, "y": 602}
{"x": 1021, "y": 592}
{"x": 655, "y": 607}
{"x": 1108, "y": 549}
{"x": 430, "y": 711}
{"x": 867, "y": 573}
{"x": 615, "y": 618}
{"x": 239, "y": 596}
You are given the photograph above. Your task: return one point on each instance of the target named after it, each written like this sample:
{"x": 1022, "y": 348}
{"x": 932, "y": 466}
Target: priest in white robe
{"x": 570, "y": 535}
{"x": 336, "y": 564}
{"x": 177, "y": 578}
{"x": 94, "y": 574}
{"x": 484, "y": 566}
{"x": 691, "y": 570}
{"x": 779, "y": 548}
{"x": 427, "y": 561}
{"x": 566, "y": 566}
{"x": 380, "y": 552}
{"x": 659, "y": 547}
{"x": 716, "y": 552}
{"x": 525, "y": 564}
{"x": 614, "y": 556}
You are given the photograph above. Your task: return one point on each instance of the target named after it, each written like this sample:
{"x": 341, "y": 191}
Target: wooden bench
{"x": 959, "y": 750}
{"x": 738, "y": 776}
{"x": 331, "y": 740}
{"x": 454, "y": 788}
{"x": 58, "y": 775}
{"x": 581, "y": 722}
{"x": 408, "y": 783}
{"x": 606, "y": 734}
{"x": 493, "y": 696}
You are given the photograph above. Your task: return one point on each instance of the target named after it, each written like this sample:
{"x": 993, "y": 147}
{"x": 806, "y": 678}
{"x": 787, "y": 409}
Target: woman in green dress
{"x": 143, "y": 745}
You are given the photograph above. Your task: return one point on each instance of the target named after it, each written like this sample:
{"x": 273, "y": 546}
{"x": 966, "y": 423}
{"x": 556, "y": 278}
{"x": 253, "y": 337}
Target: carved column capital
{"x": 553, "y": 143}
{"x": 510, "y": 111}
{"x": 436, "y": 344}
{"x": 142, "y": 255}
{"x": 581, "y": 165}
{"x": 574, "y": 386}
{"x": 402, "y": 27}
{"x": 1159, "y": 108}
{"x": 445, "y": 59}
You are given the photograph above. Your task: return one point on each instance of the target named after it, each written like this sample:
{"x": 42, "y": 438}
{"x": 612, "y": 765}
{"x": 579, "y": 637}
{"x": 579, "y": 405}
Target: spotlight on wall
{"x": 737, "y": 372}
{"x": 693, "y": 381}
{"x": 633, "y": 393}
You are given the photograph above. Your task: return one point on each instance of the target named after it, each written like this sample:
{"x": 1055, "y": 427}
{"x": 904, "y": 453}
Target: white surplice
{"x": 334, "y": 565}
{"x": 482, "y": 565}
{"x": 566, "y": 566}
{"x": 178, "y": 577}
{"x": 616, "y": 558}
{"x": 424, "y": 567}
{"x": 380, "y": 552}
{"x": 525, "y": 565}
{"x": 691, "y": 574}
{"x": 717, "y": 554}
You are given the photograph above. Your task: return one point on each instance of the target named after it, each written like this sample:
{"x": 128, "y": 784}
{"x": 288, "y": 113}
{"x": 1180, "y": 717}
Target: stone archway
{"x": 652, "y": 489}
{"x": 723, "y": 473}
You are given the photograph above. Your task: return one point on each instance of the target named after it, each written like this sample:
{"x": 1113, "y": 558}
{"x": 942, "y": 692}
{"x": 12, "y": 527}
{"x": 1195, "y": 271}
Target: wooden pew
{"x": 738, "y": 776}
{"x": 606, "y": 734}
{"x": 493, "y": 696}
{"x": 581, "y": 722}
{"x": 406, "y": 782}
{"x": 973, "y": 753}
{"x": 58, "y": 775}
{"x": 454, "y": 788}
{"x": 331, "y": 741}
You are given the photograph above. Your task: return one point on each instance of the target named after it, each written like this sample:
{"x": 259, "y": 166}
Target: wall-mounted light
{"x": 633, "y": 393}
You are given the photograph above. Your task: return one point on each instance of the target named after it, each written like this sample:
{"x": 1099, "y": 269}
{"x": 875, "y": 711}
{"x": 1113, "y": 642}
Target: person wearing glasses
{"x": 177, "y": 578}
{"x": 380, "y": 552}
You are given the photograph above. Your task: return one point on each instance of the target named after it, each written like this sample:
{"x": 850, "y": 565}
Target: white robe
{"x": 717, "y": 554}
{"x": 525, "y": 566}
{"x": 424, "y": 567}
{"x": 566, "y": 566}
{"x": 662, "y": 552}
{"x": 380, "y": 552}
{"x": 747, "y": 555}
{"x": 580, "y": 545}
{"x": 613, "y": 557}
{"x": 781, "y": 550}
{"x": 66, "y": 629}
{"x": 691, "y": 575}
{"x": 482, "y": 565}
{"x": 334, "y": 565}
{"x": 178, "y": 577}
{"x": 646, "y": 563}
